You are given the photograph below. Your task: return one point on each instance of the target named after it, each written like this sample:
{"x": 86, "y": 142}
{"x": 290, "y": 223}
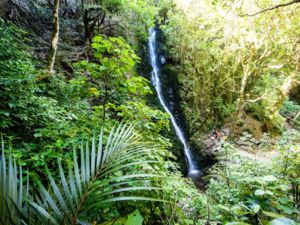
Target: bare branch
{"x": 272, "y": 8}
{"x": 254, "y": 100}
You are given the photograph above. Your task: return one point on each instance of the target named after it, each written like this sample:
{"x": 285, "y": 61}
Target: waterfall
{"x": 155, "y": 78}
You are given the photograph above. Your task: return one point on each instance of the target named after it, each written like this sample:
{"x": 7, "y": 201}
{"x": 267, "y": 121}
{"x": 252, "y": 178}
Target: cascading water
{"x": 193, "y": 170}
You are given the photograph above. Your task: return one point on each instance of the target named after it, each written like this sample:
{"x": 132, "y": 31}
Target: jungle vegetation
{"x": 83, "y": 140}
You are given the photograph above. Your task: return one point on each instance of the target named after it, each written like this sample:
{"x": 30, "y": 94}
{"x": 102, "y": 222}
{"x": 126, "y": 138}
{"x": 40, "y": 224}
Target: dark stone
{"x": 35, "y": 17}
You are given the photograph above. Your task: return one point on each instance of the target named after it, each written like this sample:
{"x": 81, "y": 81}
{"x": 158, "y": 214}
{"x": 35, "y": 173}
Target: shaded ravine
{"x": 193, "y": 169}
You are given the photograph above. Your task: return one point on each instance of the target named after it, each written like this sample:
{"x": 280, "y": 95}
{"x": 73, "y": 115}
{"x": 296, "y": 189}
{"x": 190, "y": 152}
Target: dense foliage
{"x": 235, "y": 70}
{"x": 56, "y": 113}
{"x": 230, "y": 64}
{"x": 117, "y": 169}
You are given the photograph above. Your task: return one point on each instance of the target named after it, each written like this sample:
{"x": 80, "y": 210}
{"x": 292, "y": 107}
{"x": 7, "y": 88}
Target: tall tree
{"x": 54, "y": 39}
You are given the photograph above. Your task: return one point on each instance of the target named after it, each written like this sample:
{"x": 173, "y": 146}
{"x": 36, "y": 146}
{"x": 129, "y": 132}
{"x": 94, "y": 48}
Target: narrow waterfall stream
{"x": 193, "y": 170}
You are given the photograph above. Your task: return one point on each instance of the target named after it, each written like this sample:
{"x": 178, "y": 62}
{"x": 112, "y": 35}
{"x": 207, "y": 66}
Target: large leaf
{"x": 134, "y": 218}
{"x": 12, "y": 207}
{"x": 282, "y": 221}
{"x": 94, "y": 179}
{"x": 92, "y": 182}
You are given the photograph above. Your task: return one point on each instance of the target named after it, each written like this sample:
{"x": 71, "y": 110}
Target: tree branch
{"x": 272, "y": 8}
{"x": 254, "y": 100}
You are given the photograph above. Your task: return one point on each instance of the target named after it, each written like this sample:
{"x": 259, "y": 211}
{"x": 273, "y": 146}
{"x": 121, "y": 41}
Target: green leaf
{"x": 269, "y": 193}
{"x": 255, "y": 208}
{"x": 269, "y": 178}
{"x": 284, "y": 200}
{"x": 286, "y": 209}
{"x": 259, "y": 192}
{"x": 224, "y": 208}
{"x": 240, "y": 210}
{"x": 44, "y": 213}
{"x": 282, "y": 221}
{"x": 272, "y": 214}
{"x": 98, "y": 39}
{"x": 188, "y": 221}
{"x": 134, "y": 218}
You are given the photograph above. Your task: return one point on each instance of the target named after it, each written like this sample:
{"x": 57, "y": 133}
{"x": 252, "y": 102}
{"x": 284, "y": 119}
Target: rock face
{"x": 35, "y": 17}
{"x": 25, "y": 11}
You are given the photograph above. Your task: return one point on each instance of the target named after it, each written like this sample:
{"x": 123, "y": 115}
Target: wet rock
{"x": 212, "y": 143}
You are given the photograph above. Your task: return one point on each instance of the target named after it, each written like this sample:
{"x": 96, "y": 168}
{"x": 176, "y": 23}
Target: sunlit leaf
{"x": 134, "y": 218}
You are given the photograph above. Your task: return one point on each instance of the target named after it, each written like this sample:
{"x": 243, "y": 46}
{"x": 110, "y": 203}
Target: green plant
{"x": 11, "y": 191}
{"x": 133, "y": 218}
{"x": 249, "y": 192}
{"x": 229, "y": 65}
{"x": 100, "y": 177}
{"x": 291, "y": 110}
{"x": 17, "y": 77}
{"x": 56, "y": 113}
{"x": 116, "y": 91}
{"x": 288, "y": 163}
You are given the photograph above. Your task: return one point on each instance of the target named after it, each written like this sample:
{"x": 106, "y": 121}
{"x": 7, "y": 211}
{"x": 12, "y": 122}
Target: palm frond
{"x": 92, "y": 181}
{"x": 12, "y": 205}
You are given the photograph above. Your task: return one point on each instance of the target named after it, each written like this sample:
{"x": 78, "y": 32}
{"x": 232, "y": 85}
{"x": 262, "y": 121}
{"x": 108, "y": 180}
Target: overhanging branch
{"x": 272, "y": 8}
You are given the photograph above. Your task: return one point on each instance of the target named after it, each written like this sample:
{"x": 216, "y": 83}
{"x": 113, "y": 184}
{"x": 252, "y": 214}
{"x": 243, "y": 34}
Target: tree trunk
{"x": 240, "y": 101}
{"x": 241, "y": 98}
{"x": 55, "y": 35}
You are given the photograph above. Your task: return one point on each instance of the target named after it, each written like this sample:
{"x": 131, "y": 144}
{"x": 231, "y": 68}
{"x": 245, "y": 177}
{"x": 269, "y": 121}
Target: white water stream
{"x": 192, "y": 167}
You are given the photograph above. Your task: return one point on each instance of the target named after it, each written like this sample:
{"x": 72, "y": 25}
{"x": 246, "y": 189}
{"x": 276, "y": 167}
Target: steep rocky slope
{"x": 35, "y": 17}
